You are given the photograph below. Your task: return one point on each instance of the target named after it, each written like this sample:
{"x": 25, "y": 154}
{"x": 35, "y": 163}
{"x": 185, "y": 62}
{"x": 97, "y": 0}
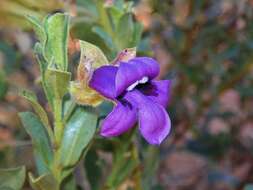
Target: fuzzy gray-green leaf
{"x": 78, "y": 133}
{"x": 58, "y": 82}
{"x": 31, "y": 97}
{"x": 125, "y": 30}
{"x": 40, "y": 140}
{"x": 38, "y": 28}
{"x": 57, "y": 29}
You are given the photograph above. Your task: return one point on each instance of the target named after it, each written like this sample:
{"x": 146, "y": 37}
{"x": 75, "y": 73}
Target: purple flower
{"x": 138, "y": 96}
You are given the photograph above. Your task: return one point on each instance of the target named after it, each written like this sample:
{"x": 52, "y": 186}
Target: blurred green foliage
{"x": 14, "y": 11}
{"x": 112, "y": 28}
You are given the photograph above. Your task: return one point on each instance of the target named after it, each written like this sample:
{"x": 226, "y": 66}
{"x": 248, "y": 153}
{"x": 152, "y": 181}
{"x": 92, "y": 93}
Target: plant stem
{"x": 58, "y": 124}
{"x": 58, "y": 132}
{"x": 50, "y": 134}
{"x": 137, "y": 176}
{"x": 125, "y": 157}
{"x": 150, "y": 166}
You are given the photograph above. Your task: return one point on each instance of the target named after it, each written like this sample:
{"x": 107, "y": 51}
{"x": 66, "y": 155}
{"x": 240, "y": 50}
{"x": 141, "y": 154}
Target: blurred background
{"x": 204, "y": 46}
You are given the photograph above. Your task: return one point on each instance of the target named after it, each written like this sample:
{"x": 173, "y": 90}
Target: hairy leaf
{"x": 31, "y": 97}
{"x": 40, "y": 140}
{"x": 78, "y": 133}
{"x": 58, "y": 82}
{"x": 57, "y": 29}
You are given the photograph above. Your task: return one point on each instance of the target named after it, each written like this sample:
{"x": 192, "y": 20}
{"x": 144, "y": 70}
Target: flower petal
{"x": 134, "y": 70}
{"x": 158, "y": 91}
{"x": 122, "y": 118}
{"x": 103, "y": 81}
{"x": 154, "y": 121}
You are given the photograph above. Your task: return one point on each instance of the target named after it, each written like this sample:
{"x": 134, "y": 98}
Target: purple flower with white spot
{"x": 138, "y": 97}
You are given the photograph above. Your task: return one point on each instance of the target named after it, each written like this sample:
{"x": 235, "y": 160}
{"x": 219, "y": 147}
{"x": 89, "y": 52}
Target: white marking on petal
{"x": 142, "y": 81}
{"x": 132, "y": 86}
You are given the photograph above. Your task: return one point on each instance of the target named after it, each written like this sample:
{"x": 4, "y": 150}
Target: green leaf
{"x": 39, "y": 52}
{"x": 57, "y": 29}
{"x": 69, "y": 183}
{"x": 44, "y": 182}
{"x": 119, "y": 4}
{"x": 41, "y": 144}
{"x": 38, "y": 28}
{"x": 138, "y": 28}
{"x": 57, "y": 82}
{"x": 115, "y": 14}
{"x": 150, "y": 166}
{"x": 93, "y": 54}
{"x": 125, "y": 31}
{"x": 125, "y": 161}
{"x": 122, "y": 170}
{"x": 43, "y": 68}
{"x": 88, "y": 6}
{"x": 31, "y": 97}
{"x": 12, "y": 179}
{"x": 78, "y": 133}
{"x": 104, "y": 36}
{"x": 3, "y": 85}
{"x": 93, "y": 166}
